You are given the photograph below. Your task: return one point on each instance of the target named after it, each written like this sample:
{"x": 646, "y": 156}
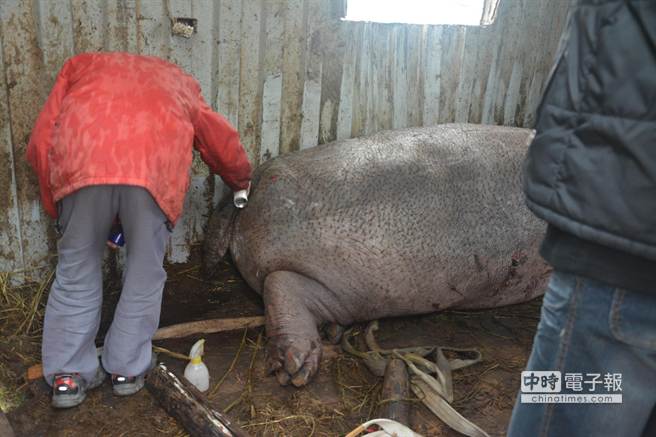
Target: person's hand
{"x": 112, "y": 245}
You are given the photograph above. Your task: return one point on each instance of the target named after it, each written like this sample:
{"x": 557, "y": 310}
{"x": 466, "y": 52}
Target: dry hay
{"x": 307, "y": 415}
{"x": 21, "y": 323}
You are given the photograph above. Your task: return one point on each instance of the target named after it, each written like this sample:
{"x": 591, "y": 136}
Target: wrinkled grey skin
{"x": 403, "y": 222}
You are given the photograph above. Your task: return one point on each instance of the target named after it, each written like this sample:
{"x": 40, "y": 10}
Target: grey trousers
{"x": 73, "y": 310}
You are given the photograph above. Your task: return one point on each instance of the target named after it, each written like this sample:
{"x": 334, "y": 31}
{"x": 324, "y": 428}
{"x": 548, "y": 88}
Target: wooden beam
{"x": 188, "y": 406}
{"x": 395, "y": 392}
{"x": 207, "y": 327}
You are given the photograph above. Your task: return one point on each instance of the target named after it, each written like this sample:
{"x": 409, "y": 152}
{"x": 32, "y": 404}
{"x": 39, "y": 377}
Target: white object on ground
{"x": 196, "y": 371}
{"x": 388, "y": 428}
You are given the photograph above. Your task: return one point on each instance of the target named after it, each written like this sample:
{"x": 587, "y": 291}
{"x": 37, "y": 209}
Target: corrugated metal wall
{"x": 289, "y": 73}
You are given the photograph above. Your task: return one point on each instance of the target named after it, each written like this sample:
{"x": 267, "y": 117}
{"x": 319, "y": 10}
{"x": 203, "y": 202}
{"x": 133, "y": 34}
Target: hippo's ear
{"x": 217, "y": 236}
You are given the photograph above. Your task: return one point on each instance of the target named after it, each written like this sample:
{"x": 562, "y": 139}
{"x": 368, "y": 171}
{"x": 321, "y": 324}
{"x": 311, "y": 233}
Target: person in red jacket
{"x": 115, "y": 138}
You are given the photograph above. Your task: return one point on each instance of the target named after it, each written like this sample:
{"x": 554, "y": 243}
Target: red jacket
{"x": 118, "y": 118}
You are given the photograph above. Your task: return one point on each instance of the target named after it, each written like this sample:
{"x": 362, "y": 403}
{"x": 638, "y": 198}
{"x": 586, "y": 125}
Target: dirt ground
{"x": 343, "y": 395}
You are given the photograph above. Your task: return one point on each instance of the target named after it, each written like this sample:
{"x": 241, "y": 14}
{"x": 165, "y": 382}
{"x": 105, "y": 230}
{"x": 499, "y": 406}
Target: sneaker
{"x": 70, "y": 389}
{"x": 129, "y": 385}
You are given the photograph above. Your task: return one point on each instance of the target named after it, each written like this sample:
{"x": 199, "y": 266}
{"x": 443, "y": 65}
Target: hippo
{"x": 402, "y": 222}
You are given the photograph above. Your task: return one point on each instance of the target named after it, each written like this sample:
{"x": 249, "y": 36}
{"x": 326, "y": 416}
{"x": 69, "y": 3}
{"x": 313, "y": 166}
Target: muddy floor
{"x": 343, "y": 395}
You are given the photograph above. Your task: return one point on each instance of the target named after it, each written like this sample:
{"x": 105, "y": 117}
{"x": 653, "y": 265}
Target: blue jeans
{"x": 590, "y": 327}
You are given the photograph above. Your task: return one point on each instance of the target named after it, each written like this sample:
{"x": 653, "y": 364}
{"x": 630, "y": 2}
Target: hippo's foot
{"x": 294, "y": 345}
{"x": 293, "y": 358}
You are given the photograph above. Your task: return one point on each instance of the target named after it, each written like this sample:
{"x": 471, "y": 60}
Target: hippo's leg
{"x": 292, "y": 317}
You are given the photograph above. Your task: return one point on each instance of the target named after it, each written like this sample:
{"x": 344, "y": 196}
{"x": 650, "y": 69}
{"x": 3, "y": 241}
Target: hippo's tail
{"x": 218, "y": 235}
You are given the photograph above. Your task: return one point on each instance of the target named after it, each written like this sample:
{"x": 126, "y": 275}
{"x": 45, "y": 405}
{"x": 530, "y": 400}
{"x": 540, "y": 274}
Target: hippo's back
{"x": 423, "y": 212}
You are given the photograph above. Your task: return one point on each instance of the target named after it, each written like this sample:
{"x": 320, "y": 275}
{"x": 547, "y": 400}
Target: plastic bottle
{"x": 241, "y": 198}
{"x": 196, "y": 371}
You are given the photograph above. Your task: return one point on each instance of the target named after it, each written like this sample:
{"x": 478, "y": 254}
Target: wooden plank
{"x": 451, "y": 71}
{"x": 327, "y": 132}
{"x": 311, "y": 106}
{"x": 250, "y": 85}
{"x": 467, "y": 60}
{"x": 346, "y": 87}
{"x": 360, "y": 91}
{"x": 490, "y": 40}
{"x": 120, "y": 19}
{"x": 271, "y": 101}
{"x": 311, "y": 109}
{"x": 204, "y": 66}
{"x": 272, "y": 72}
{"x": 470, "y": 92}
{"x": 512, "y": 95}
{"x": 432, "y": 74}
{"x": 88, "y": 25}
{"x": 293, "y": 74}
{"x": 400, "y": 78}
{"x": 180, "y": 47}
{"x": 154, "y": 29}
{"x": 55, "y": 36}
{"x": 539, "y": 53}
{"x": 333, "y": 43}
{"x": 375, "y": 106}
{"x": 192, "y": 54}
{"x": 214, "y": 47}
{"x": 533, "y": 98}
{"x": 132, "y": 10}
{"x": 523, "y": 50}
{"x": 508, "y": 68}
{"x": 229, "y": 60}
{"x": 210, "y": 326}
{"x": 11, "y": 247}
{"x": 415, "y": 77}
{"x": 368, "y": 83}
{"x": 189, "y": 228}
{"x": 202, "y": 46}
{"x": 179, "y": 248}
{"x": 28, "y": 87}
{"x": 489, "y": 95}
{"x": 381, "y": 89}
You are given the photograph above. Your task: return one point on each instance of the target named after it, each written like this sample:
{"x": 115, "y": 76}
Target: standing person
{"x": 115, "y": 139}
{"x": 591, "y": 174}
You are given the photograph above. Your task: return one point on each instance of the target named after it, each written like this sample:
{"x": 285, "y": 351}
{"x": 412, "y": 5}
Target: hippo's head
{"x": 218, "y": 235}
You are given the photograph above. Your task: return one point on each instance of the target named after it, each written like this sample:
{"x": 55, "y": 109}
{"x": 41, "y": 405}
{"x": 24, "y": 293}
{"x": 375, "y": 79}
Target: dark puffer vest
{"x": 591, "y": 169}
